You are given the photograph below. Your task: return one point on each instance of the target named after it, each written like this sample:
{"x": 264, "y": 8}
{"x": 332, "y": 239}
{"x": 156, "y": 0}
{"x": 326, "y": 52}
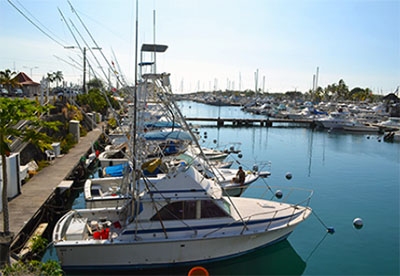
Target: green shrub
{"x": 39, "y": 244}
{"x": 82, "y": 131}
{"x": 67, "y": 143}
{"x": 33, "y": 268}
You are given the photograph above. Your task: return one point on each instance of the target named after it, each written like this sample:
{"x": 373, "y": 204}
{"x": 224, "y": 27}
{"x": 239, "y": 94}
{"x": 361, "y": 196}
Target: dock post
{"x": 5, "y": 242}
{"x": 220, "y": 122}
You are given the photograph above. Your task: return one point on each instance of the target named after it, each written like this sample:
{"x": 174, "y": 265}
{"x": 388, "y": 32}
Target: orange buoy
{"x": 198, "y": 271}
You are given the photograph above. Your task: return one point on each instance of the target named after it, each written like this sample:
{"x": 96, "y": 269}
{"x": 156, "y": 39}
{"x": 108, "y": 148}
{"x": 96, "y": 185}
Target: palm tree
{"x": 50, "y": 78}
{"x": 7, "y": 79}
{"x": 13, "y": 111}
{"x": 58, "y": 76}
{"x": 342, "y": 90}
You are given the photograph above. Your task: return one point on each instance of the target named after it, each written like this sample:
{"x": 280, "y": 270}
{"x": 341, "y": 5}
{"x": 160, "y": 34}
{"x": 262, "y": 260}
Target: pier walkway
{"x": 268, "y": 122}
{"x": 36, "y": 191}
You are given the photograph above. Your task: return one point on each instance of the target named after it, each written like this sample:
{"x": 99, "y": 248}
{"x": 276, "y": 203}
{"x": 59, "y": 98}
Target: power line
{"x": 34, "y": 24}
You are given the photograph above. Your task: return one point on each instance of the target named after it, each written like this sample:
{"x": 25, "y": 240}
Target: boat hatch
{"x": 265, "y": 205}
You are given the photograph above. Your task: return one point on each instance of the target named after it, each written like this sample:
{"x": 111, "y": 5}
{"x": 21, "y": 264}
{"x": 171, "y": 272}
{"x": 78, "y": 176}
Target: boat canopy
{"x": 117, "y": 170}
{"x": 163, "y": 135}
{"x": 161, "y": 124}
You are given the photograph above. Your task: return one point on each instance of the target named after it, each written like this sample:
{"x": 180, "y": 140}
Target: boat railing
{"x": 289, "y": 192}
{"x": 303, "y": 203}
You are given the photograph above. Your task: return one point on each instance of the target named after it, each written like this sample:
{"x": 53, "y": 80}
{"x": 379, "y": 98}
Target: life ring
{"x": 198, "y": 271}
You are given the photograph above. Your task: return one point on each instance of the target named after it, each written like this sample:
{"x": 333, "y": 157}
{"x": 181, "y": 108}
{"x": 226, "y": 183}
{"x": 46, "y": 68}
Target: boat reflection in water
{"x": 277, "y": 259}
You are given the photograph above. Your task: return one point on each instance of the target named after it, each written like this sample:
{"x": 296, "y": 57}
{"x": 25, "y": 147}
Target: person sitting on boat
{"x": 240, "y": 176}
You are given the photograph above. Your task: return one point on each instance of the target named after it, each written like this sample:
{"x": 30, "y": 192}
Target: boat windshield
{"x": 190, "y": 209}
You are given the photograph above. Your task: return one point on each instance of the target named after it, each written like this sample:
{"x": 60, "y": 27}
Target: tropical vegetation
{"x": 55, "y": 77}
{"x": 13, "y": 111}
{"x": 97, "y": 100}
{"x": 341, "y": 92}
{"x": 49, "y": 268}
{"x": 332, "y": 92}
{"x": 8, "y": 80}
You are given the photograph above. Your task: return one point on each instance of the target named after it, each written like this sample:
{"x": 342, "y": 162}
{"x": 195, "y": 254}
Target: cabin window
{"x": 187, "y": 210}
{"x": 211, "y": 210}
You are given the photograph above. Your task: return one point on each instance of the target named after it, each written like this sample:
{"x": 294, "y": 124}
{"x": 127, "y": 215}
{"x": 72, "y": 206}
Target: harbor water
{"x": 352, "y": 176}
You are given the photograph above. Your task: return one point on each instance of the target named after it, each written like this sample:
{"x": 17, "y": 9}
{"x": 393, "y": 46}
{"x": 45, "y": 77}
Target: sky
{"x": 274, "y": 45}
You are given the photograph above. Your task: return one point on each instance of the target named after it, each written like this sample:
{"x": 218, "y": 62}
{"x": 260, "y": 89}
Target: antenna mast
{"x": 135, "y": 90}
{"x": 154, "y": 40}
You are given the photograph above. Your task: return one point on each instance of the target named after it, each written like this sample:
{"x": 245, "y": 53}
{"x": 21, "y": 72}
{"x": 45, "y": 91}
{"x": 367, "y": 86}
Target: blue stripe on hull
{"x": 213, "y": 226}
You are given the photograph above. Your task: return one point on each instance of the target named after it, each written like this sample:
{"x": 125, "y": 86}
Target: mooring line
{"x": 330, "y": 230}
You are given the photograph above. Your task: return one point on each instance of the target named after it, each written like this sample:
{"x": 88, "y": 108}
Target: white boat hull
{"x": 131, "y": 254}
{"x": 360, "y": 128}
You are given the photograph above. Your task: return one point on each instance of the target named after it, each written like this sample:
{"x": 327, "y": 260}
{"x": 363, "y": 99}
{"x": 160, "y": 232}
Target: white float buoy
{"x": 358, "y": 223}
{"x": 288, "y": 176}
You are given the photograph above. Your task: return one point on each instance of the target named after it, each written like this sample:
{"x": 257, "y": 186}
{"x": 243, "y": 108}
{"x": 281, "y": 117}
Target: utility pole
{"x": 84, "y": 71}
{"x": 84, "y": 64}
{"x": 31, "y": 69}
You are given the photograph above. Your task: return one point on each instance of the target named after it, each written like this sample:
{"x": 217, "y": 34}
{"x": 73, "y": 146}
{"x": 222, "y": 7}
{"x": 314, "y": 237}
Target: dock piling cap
{"x": 198, "y": 271}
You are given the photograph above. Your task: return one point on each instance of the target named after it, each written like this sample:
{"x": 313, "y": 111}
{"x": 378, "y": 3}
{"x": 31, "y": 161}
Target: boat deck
{"x": 36, "y": 191}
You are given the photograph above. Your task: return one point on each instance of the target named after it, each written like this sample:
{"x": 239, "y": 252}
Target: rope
{"x": 330, "y": 230}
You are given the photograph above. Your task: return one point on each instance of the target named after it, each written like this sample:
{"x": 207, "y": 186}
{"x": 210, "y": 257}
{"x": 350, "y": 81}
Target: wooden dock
{"x": 240, "y": 122}
{"x": 37, "y": 190}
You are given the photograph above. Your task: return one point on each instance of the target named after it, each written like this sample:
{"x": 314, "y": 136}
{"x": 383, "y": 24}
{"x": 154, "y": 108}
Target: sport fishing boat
{"x": 177, "y": 216}
{"x": 335, "y": 120}
{"x": 182, "y": 218}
